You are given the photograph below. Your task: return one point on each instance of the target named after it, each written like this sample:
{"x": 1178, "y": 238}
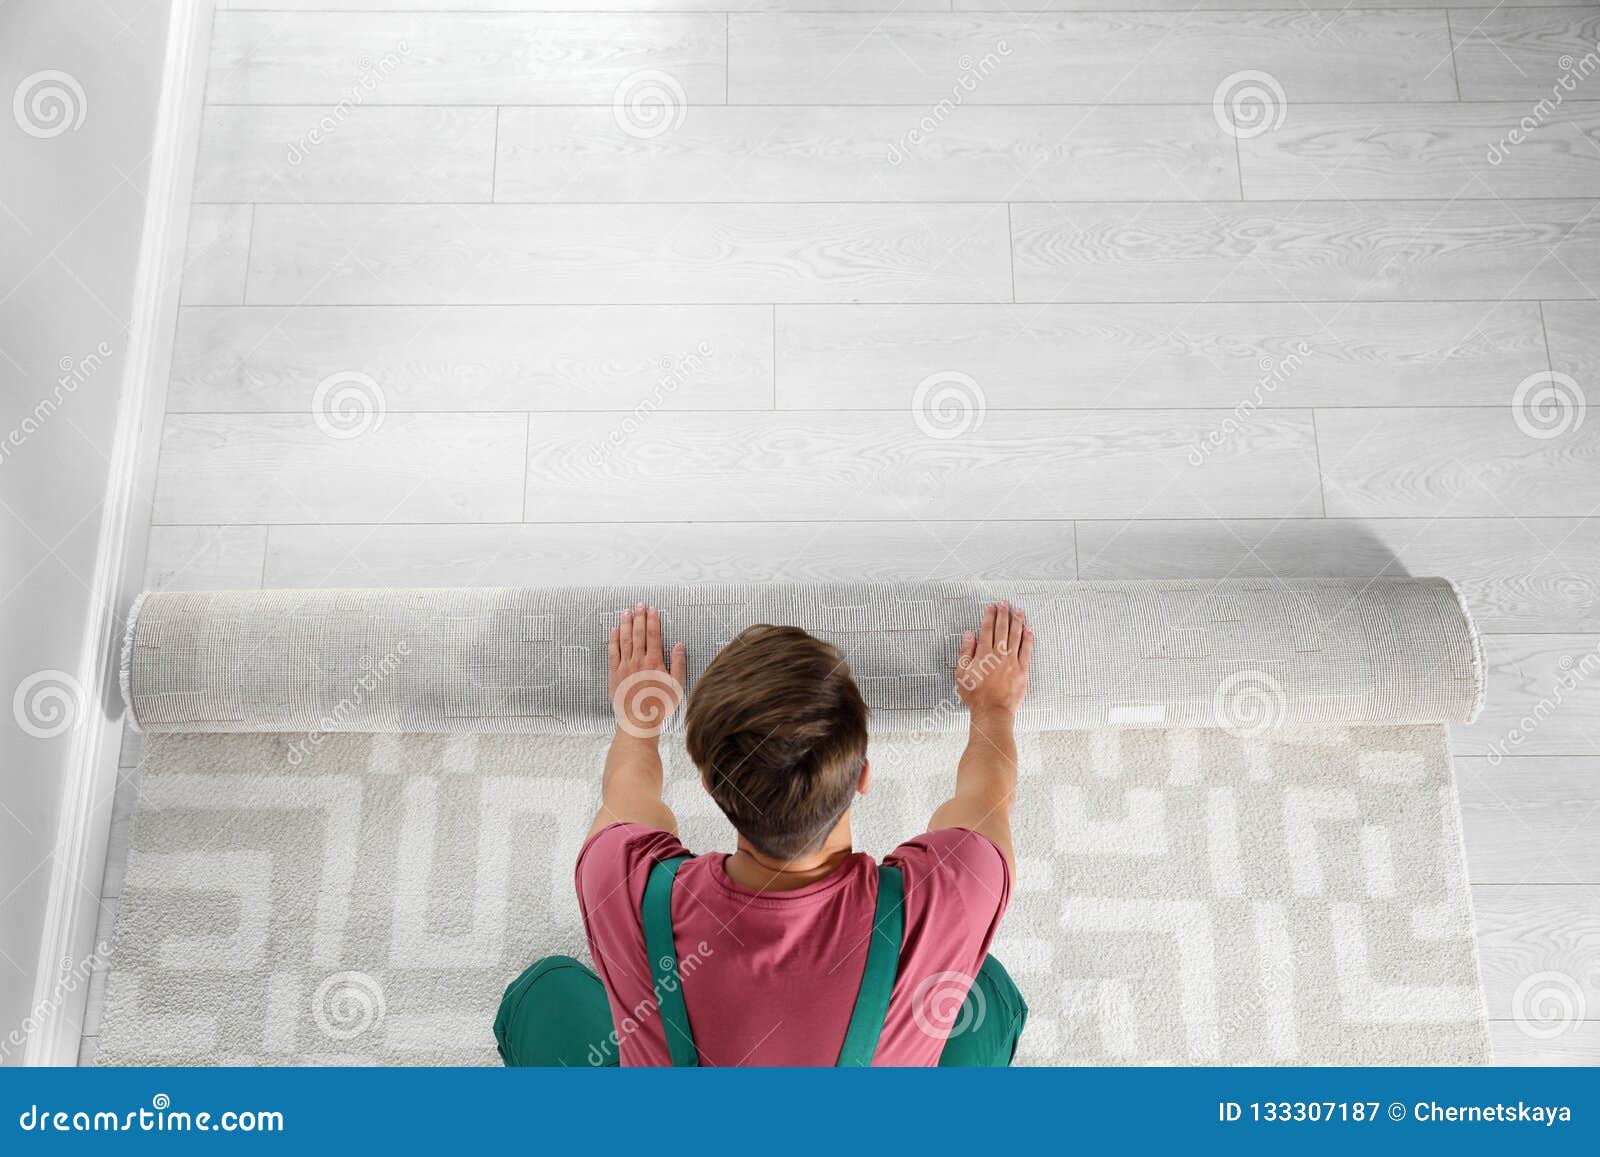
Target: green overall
{"x": 556, "y": 1012}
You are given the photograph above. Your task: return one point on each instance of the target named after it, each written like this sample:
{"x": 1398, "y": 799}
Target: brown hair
{"x": 778, "y": 728}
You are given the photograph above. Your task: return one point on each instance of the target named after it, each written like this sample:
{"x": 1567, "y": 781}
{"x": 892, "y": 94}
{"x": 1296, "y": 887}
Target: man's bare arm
{"x": 644, "y": 694}
{"x": 992, "y": 679}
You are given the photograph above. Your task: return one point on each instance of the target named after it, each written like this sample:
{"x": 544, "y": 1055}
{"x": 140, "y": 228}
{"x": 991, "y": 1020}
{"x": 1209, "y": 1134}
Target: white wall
{"x": 71, "y": 210}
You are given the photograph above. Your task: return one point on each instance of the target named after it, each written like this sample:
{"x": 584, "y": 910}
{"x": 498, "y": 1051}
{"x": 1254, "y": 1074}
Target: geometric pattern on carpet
{"x": 1182, "y": 896}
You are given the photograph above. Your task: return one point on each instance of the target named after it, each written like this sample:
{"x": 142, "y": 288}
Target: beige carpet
{"x": 1184, "y": 896}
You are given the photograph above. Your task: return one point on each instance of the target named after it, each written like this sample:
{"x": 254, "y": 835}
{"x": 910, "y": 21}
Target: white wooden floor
{"x": 579, "y": 341}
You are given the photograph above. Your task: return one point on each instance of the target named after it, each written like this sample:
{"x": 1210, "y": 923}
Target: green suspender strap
{"x": 872, "y": 1000}
{"x": 656, "y": 915}
{"x": 877, "y": 978}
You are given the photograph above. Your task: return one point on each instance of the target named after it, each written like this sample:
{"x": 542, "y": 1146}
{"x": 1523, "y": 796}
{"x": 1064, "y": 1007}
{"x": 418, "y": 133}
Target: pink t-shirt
{"x": 770, "y": 978}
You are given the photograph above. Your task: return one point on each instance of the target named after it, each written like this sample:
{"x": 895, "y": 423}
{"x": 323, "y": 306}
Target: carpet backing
{"x": 1252, "y": 652}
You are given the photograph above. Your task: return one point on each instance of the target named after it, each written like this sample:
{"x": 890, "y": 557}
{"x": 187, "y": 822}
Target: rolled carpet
{"x": 1245, "y": 652}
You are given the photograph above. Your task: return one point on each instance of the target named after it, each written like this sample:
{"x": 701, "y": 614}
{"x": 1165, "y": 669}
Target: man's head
{"x": 778, "y": 729}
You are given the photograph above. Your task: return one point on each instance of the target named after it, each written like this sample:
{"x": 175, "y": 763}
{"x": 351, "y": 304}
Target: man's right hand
{"x": 992, "y": 672}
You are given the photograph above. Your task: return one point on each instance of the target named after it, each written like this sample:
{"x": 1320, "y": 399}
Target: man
{"x": 793, "y": 949}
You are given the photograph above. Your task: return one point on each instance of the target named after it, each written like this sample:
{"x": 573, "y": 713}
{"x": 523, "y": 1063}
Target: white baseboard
{"x": 90, "y": 780}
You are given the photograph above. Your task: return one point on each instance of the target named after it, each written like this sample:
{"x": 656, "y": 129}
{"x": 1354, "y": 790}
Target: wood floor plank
{"x": 606, "y": 553}
{"x": 629, "y": 5}
{"x": 461, "y": 57}
{"x": 830, "y": 465}
{"x": 532, "y": 254}
{"x": 1089, "y": 5}
{"x": 1473, "y": 151}
{"x": 305, "y": 153}
{"x": 248, "y": 468}
{"x": 976, "y": 153}
{"x": 1423, "y": 463}
{"x": 1160, "y": 355}
{"x": 216, "y": 256}
{"x": 104, "y": 945}
{"x": 1530, "y": 819}
{"x": 1511, "y": 1044}
{"x": 1090, "y": 57}
{"x": 1518, "y": 53}
{"x": 826, "y": 5}
{"x": 197, "y": 558}
{"x": 477, "y": 358}
{"x": 1544, "y": 698}
{"x": 1317, "y": 251}
{"x": 1540, "y": 941}
{"x": 127, "y": 796}
{"x": 1516, "y": 574}
{"x": 1573, "y": 329}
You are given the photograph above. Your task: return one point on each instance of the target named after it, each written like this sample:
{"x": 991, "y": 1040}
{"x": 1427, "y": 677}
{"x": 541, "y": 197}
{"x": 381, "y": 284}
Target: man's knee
{"x": 990, "y": 1021}
{"x": 555, "y": 1013}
